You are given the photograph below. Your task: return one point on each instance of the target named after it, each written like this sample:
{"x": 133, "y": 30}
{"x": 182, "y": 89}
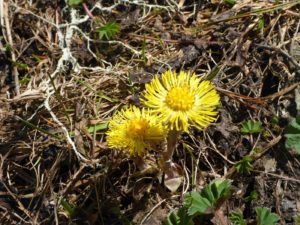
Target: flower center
{"x": 180, "y": 99}
{"x": 138, "y": 127}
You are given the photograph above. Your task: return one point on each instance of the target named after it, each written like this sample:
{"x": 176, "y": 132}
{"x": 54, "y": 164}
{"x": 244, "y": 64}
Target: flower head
{"x": 135, "y": 129}
{"x": 182, "y": 99}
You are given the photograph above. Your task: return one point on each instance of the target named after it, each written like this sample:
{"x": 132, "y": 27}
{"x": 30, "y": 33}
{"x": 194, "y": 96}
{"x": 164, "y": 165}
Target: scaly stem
{"x": 168, "y": 152}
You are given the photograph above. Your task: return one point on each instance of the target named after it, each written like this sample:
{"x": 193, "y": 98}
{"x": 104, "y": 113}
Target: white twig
{"x": 151, "y": 211}
{"x": 64, "y": 129}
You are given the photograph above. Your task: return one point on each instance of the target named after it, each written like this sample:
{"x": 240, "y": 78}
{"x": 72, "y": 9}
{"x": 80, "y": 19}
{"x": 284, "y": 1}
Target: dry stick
{"x": 152, "y": 210}
{"x": 259, "y": 100}
{"x": 276, "y": 49}
{"x": 280, "y": 93}
{"x": 20, "y": 205}
{"x": 13, "y": 56}
{"x": 283, "y": 6}
{"x": 278, "y": 176}
{"x": 74, "y": 179}
{"x": 172, "y": 41}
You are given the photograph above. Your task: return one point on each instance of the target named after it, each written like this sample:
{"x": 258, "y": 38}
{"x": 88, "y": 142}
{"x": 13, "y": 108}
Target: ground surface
{"x": 58, "y": 81}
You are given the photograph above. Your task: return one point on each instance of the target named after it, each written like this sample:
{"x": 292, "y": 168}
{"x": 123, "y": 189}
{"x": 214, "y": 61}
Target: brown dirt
{"x": 84, "y": 80}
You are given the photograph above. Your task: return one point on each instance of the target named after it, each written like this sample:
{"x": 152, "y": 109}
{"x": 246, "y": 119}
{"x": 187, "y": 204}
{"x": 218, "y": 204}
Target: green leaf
{"x": 98, "y": 127}
{"x": 230, "y": 2}
{"x": 196, "y": 203}
{"x": 25, "y": 80}
{"x": 94, "y": 128}
{"x": 179, "y": 218}
{"x": 244, "y": 166}
{"x": 265, "y": 217}
{"x": 251, "y": 127}
{"x": 237, "y": 218}
{"x": 292, "y": 135}
{"x": 21, "y": 66}
{"x": 31, "y": 125}
{"x": 107, "y": 31}
{"x": 214, "y": 72}
{"x": 74, "y": 3}
{"x": 209, "y": 198}
{"x": 297, "y": 219}
{"x": 260, "y": 24}
{"x": 251, "y": 197}
{"x": 8, "y": 48}
{"x": 275, "y": 121}
{"x": 69, "y": 209}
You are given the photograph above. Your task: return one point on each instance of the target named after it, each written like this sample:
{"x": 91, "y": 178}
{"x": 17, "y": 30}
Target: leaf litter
{"x": 85, "y": 71}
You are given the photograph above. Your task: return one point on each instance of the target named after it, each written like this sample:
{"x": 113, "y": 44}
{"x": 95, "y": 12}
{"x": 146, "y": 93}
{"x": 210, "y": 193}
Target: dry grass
{"x": 58, "y": 81}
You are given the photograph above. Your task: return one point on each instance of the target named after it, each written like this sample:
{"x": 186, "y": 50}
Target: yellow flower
{"x": 182, "y": 99}
{"x": 135, "y": 129}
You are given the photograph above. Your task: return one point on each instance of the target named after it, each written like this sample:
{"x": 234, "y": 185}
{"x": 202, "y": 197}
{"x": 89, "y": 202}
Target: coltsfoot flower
{"x": 135, "y": 129}
{"x": 182, "y": 100}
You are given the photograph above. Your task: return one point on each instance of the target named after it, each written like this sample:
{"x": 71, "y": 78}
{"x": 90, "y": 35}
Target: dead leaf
{"x": 142, "y": 187}
{"x": 173, "y": 177}
{"x": 270, "y": 165}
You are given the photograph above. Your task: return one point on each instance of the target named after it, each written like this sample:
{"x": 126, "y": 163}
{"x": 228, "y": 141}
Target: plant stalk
{"x": 168, "y": 152}
{"x": 88, "y": 12}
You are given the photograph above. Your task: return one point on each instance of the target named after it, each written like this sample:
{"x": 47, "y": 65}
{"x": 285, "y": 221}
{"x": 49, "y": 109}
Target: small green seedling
{"x": 230, "y": 2}
{"x": 25, "y": 80}
{"x": 251, "y": 197}
{"x": 244, "y": 166}
{"x": 74, "y": 3}
{"x": 236, "y": 217}
{"x": 265, "y": 217}
{"x": 201, "y": 203}
{"x": 292, "y": 135}
{"x": 94, "y": 128}
{"x": 251, "y": 127}
{"x": 20, "y": 66}
{"x": 198, "y": 204}
{"x": 275, "y": 121}
{"x": 179, "y": 218}
{"x": 297, "y": 219}
{"x": 260, "y": 24}
{"x": 209, "y": 198}
{"x": 68, "y": 208}
{"x": 109, "y": 30}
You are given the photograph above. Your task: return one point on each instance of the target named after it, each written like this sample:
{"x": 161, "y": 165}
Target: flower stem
{"x": 168, "y": 152}
{"x": 88, "y": 12}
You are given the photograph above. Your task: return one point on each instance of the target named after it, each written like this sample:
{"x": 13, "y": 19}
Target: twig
{"x": 283, "y": 6}
{"x": 64, "y": 129}
{"x": 279, "y": 176}
{"x": 258, "y": 100}
{"x": 217, "y": 151}
{"x": 292, "y": 59}
{"x": 20, "y": 205}
{"x": 15, "y": 72}
{"x": 151, "y": 211}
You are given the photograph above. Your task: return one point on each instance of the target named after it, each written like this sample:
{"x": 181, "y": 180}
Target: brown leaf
{"x": 173, "y": 177}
